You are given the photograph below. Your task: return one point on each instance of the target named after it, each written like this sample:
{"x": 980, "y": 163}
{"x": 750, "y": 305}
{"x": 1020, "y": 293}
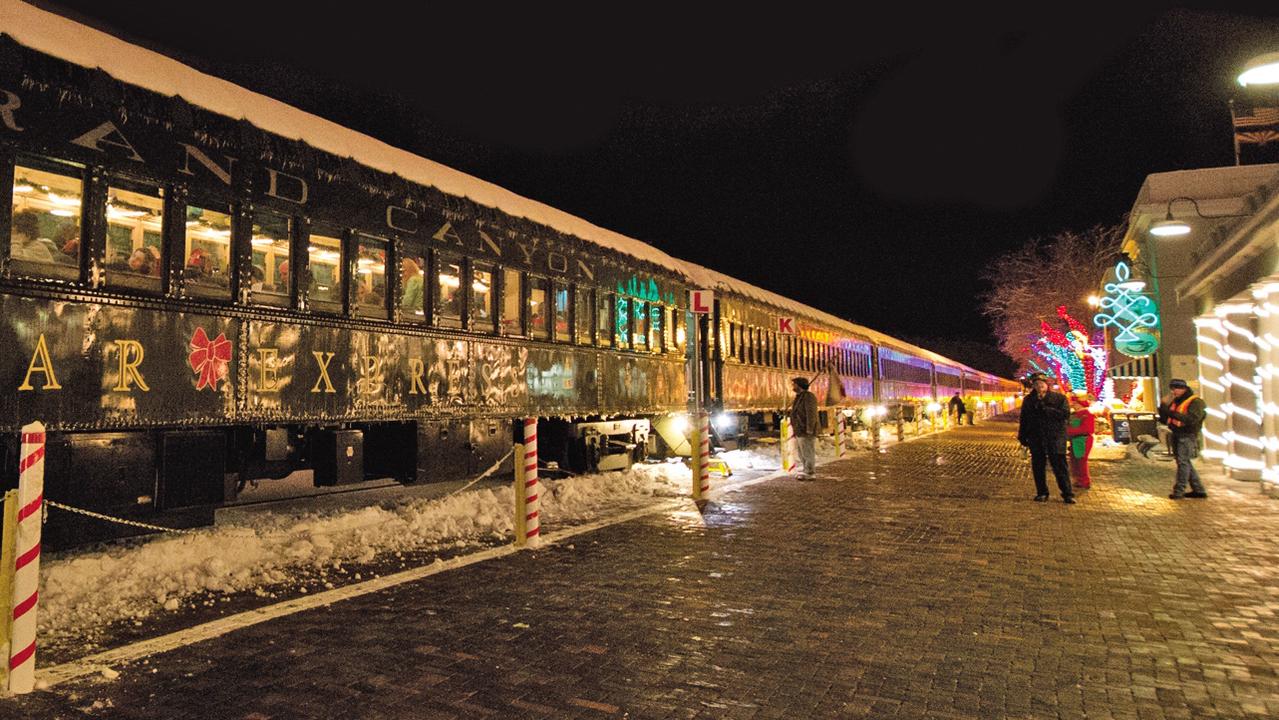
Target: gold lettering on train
{"x": 107, "y": 134}
{"x": 406, "y": 216}
{"x": 446, "y": 233}
{"x": 557, "y": 262}
{"x": 416, "y": 370}
{"x": 528, "y": 250}
{"x": 129, "y": 372}
{"x": 298, "y": 187}
{"x": 11, "y": 102}
{"x": 370, "y": 382}
{"x": 223, "y": 174}
{"x": 585, "y": 270}
{"x": 268, "y": 369}
{"x": 492, "y": 244}
{"x": 46, "y": 366}
{"x": 323, "y": 359}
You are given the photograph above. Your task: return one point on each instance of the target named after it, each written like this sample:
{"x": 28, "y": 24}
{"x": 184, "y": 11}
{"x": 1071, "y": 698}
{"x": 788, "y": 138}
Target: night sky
{"x": 870, "y": 165}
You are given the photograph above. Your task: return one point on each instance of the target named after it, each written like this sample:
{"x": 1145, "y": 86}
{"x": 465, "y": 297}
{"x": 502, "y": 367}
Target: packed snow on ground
{"x": 284, "y": 551}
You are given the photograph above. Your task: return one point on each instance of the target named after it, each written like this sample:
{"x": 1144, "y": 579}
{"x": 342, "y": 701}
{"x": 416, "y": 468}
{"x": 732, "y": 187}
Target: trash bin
{"x": 1127, "y": 427}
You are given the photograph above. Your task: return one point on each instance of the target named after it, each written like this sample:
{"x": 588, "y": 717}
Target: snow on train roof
{"x": 79, "y": 44}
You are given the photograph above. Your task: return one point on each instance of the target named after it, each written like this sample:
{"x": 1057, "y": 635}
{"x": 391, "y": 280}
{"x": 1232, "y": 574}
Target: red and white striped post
{"x": 841, "y": 447}
{"x": 788, "y": 455}
{"x": 702, "y": 467}
{"x": 528, "y": 526}
{"x": 26, "y": 566}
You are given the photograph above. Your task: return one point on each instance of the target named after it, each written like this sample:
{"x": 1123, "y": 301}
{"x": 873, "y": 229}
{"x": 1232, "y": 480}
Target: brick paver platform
{"x": 919, "y": 582}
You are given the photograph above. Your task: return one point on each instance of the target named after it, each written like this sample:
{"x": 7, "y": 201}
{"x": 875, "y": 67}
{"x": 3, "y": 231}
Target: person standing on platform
{"x": 1043, "y": 431}
{"x": 1184, "y": 412}
{"x": 1080, "y": 430}
{"x": 804, "y": 422}
{"x": 956, "y": 408}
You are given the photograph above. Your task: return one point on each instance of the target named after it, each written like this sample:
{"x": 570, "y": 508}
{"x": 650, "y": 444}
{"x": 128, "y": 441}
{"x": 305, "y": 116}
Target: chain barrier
{"x": 146, "y": 526}
{"x": 120, "y": 521}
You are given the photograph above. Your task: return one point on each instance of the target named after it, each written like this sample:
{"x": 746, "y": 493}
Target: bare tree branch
{"x": 1028, "y": 284}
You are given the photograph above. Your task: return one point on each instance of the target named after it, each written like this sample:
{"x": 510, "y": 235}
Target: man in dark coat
{"x": 1184, "y": 413}
{"x": 957, "y": 409}
{"x": 804, "y": 423}
{"x": 1043, "y": 431}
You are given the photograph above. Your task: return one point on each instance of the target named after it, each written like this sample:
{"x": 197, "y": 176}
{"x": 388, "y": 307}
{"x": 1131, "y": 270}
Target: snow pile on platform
{"x": 264, "y": 552}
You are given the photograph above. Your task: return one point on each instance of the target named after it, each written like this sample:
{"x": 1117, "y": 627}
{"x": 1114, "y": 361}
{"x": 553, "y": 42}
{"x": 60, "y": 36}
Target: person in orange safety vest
{"x": 1184, "y": 413}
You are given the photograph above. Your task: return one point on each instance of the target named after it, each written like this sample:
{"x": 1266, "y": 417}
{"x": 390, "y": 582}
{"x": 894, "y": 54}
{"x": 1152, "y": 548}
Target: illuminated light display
{"x": 1131, "y": 313}
{"x": 1078, "y": 362}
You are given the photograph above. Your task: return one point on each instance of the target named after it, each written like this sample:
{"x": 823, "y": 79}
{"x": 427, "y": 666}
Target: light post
{"x": 1255, "y": 112}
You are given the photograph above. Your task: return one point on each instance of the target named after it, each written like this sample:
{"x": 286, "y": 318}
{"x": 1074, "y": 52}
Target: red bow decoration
{"x": 209, "y": 358}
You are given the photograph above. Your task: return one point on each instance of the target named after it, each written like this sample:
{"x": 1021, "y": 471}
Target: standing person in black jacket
{"x": 1043, "y": 430}
{"x": 1184, "y": 413}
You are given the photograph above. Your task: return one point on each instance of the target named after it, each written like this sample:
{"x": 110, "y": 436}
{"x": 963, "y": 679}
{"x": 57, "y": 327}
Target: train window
{"x": 481, "y": 297}
{"x": 269, "y": 283}
{"x": 44, "y": 238}
{"x": 623, "y": 322}
{"x": 732, "y": 340}
{"x": 582, "y": 321}
{"x": 772, "y": 348}
{"x": 679, "y": 322}
{"x": 668, "y": 336}
{"x": 604, "y": 318}
{"x": 511, "y": 321}
{"x": 324, "y": 268}
{"x": 412, "y": 284}
{"x": 655, "y": 325}
{"x": 134, "y": 242}
{"x": 207, "y": 270}
{"x": 562, "y": 330}
{"x": 370, "y": 277}
{"x": 639, "y": 325}
{"x": 538, "y": 290}
{"x": 448, "y": 289}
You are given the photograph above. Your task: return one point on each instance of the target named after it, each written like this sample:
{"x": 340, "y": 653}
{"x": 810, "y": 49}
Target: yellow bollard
{"x": 788, "y": 457}
{"x": 7, "y": 542}
{"x": 698, "y": 462}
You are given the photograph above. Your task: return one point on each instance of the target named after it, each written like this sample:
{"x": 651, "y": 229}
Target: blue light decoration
{"x": 1132, "y": 314}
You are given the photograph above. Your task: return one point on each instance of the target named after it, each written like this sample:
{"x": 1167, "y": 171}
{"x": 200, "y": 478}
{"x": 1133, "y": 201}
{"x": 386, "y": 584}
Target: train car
{"x": 204, "y": 288}
{"x": 205, "y": 291}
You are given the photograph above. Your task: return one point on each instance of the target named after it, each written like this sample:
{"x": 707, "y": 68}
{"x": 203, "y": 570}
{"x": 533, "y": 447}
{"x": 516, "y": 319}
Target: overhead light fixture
{"x": 1261, "y": 70}
{"x": 1171, "y": 227}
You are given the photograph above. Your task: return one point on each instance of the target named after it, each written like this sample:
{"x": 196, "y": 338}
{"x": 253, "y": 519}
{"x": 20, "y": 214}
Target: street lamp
{"x": 1261, "y": 70}
{"x": 1169, "y": 227}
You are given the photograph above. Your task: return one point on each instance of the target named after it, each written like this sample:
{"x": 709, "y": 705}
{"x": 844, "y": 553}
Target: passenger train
{"x": 204, "y": 289}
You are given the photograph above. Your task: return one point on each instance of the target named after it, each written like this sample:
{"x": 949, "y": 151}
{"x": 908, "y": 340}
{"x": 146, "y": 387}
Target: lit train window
{"x": 772, "y": 348}
{"x": 412, "y": 284}
{"x": 639, "y": 324}
{"x": 511, "y": 322}
{"x": 679, "y": 322}
{"x": 324, "y": 268}
{"x": 655, "y": 326}
{"x": 482, "y": 298}
{"x": 623, "y": 322}
{"x": 562, "y": 329}
{"x": 538, "y": 292}
{"x": 207, "y": 269}
{"x": 448, "y": 289}
{"x": 604, "y": 318}
{"x": 583, "y": 303}
{"x": 44, "y": 238}
{"x": 269, "y": 280}
{"x": 370, "y": 277}
{"x": 134, "y": 242}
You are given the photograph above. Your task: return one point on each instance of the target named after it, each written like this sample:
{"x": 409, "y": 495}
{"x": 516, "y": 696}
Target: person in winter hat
{"x": 1184, "y": 413}
{"x": 804, "y": 423}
